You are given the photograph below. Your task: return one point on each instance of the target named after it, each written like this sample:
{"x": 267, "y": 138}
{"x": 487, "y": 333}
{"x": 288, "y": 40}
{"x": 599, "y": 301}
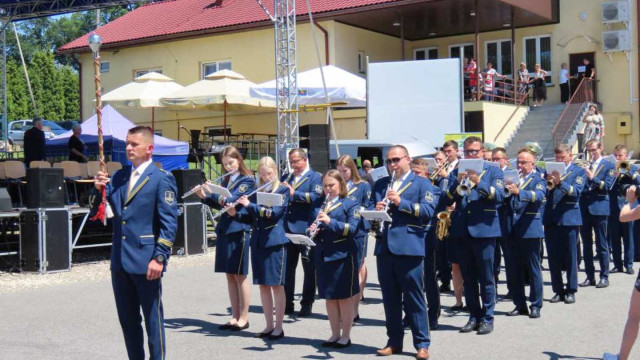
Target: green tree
{"x": 71, "y": 91}
{"x": 46, "y": 85}
{"x": 18, "y": 101}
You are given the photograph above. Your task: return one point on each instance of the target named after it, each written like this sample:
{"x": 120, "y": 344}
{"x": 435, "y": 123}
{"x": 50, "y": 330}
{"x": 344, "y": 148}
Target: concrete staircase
{"x": 537, "y": 127}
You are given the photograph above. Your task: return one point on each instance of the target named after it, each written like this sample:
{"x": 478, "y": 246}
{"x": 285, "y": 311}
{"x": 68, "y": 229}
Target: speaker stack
{"x": 315, "y": 138}
{"x": 45, "y": 234}
{"x": 191, "y": 237}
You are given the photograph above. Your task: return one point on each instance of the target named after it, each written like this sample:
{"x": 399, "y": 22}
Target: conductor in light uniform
{"x": 561, "y": 221}
{"x": 525, "y": 235}
{"x": 400, "y": 251}
{"x": 476, "y": 224}
{"x": 594, "y": 205}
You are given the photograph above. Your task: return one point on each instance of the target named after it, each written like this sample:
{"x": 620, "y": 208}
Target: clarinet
{"x": 312, "y": 234}
{"x": 387, "y": 201}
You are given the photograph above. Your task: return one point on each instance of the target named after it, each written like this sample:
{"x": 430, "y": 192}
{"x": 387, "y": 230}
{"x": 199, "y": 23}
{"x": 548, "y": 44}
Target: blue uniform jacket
{"x": 336, "y": 240}
{"x": 144, "y": 222}
{"x": 242, "y": 185}
{"x": 406, "y": 233}
{"x": 523, "y": 213}
{"x": 563, "y": 206}
{"x": 362, "y": 193}
{"x": 595, "y": 197}
{"x": 616, "y": 202}
{"x": 477, "y": 212}
{"x": 267, "y": 222}
{"x": 306, "y": 199}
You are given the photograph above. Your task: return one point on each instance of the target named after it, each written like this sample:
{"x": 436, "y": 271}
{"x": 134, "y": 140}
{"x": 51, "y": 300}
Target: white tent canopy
{"x": 144, "y": 91}
{"x": 342, "y": 86}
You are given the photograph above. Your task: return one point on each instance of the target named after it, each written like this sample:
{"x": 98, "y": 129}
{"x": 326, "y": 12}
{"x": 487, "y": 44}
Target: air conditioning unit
{"x": 615, "y": 12}
{"x": 618, "y": 40}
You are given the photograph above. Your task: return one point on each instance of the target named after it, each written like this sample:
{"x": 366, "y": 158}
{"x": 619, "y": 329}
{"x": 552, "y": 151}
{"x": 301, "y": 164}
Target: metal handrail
{"x": 576, "y": 99}
{"x": 523, "y": 98}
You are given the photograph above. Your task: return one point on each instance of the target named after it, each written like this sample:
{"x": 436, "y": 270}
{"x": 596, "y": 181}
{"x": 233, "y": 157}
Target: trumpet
{"x": 622, "y": 167}
{"x": 196, "y": 188}
{"x": 433, "y": 177}
{"x": 464, "y": 188}
{"x": 444, "y": 222}
{"x": 233, "y": 204}
{"x": 550, "y": 184}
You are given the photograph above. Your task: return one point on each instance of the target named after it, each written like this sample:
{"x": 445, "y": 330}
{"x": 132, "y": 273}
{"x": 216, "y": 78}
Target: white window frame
{"x": 524, "y": 54}
{"x": 426, "y": 51}
{"x": 497, "y": 66}
{"x": 362, "y": 62}
{"x": 216, "y": 63}
{"x": 462, "y": 45}
{"x": 141, "y": 72}
{"x": 106, "y": 64}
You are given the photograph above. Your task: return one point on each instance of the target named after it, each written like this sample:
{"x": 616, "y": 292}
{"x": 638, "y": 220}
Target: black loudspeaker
{"x": 5, "y": 200}
{"x": 185, "y": 181}
{"x": 45, "y": 188}
{"x": 317, "y": 144}
{"x": 195, "y": 139}
{"x": 191, "y": 237}
{"x": 45, "y": 240}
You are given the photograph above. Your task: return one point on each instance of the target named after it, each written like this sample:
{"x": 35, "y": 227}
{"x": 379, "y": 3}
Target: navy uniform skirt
{"x": 268, "y": 265}
{"x": 452, "y": 246}
{"x": 361, "y": 240}
{"x": 337, "y": 279}
{"x": 232, "y": 254}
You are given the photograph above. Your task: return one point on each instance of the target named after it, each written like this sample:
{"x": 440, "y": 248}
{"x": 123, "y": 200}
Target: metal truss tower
{"x": 284, "y": 19}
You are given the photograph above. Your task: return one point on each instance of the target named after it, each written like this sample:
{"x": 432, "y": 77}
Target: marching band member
{"x": 561, "y": 221}
{"x": 525, "y": 235}
{"x": 232, "y": 241}
{"x": 400, "y": 251}
{"x": 420, "y": 167}
{"x": 268, "y": 248}
{"x": 615, "y": 229}
{"x": 499, "y": 155}
{"x": 476, "y": 224}
{"x": 334, "y": 232}
{"x": 449, "y": 263}
{"x": 361, "y": 191}
{"x": 594, "y": 206}
{"x": 305, "y": 191}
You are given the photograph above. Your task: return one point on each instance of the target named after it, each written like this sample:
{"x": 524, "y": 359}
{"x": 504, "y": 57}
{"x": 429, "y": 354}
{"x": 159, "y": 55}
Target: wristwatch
{"x": 160, "y": 258}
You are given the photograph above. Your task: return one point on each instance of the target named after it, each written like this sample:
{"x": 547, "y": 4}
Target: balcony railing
{"x": 502, "y": 90}
{"x": 573, "y": 111}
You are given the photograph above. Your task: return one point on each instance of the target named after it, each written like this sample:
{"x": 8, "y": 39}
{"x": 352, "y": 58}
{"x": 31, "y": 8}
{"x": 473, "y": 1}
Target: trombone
{"x": 433, "y": 177}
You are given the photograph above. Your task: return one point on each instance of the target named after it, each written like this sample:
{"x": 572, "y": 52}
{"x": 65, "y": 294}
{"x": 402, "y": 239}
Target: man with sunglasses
{"x": 594, "y": 206}
{"x": 400, "y": 251}
{"x": 476, "y": 224}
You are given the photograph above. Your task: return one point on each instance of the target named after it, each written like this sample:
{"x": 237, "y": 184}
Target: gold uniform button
{"x": 124, "y": 237}
{"x": 125, "y": 208}
{"x": 468, "y": 211}
{"x": 123, "y": 222}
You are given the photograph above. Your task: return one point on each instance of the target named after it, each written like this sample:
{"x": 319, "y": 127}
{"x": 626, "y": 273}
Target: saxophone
{"x": 444, "y": 222}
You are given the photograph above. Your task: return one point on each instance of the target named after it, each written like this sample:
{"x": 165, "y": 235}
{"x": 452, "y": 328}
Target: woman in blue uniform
{"x": 336, "y": 268}
{"x": 361, "y": 191}
{"x": 232, "y": 236}
{"x": 268, "y": 250}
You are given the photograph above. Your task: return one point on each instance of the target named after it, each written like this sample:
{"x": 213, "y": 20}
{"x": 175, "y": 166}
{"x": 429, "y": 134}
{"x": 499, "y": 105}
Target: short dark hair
{"x": 143, "y": 130}
{"x": 472, "y": 139}
{"x": 561, "y": 148}
{"x": 299, "y": 151}
{"x": 594, "y": 141}
{"x": 620, "y": 147}
{"x": 499, "y": 149}
{"x": 450, "y": 143}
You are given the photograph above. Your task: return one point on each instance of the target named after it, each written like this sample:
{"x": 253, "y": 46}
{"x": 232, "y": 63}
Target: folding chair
{"x": 72, "y": 173}
{"x": 113, "y": 166}
{"x": 15, "y": 173}
{"x": 40, "y": 164}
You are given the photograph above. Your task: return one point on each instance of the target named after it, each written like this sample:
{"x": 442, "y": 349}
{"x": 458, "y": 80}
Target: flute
{"x": 196, "y": 188}
{"x": 233, "y": 204}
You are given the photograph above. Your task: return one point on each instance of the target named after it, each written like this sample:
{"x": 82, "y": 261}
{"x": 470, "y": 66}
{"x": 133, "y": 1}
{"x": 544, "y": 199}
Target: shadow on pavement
{"x": 555, "y": 356}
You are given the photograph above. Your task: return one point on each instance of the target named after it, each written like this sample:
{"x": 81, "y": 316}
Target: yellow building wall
{"x": 495, "y": 115}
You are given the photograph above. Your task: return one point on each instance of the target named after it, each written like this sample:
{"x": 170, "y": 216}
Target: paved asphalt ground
{"x": 77, "y": 320}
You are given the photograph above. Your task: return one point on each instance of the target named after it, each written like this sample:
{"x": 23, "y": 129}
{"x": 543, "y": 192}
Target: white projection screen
{"x": 414, "y": 100}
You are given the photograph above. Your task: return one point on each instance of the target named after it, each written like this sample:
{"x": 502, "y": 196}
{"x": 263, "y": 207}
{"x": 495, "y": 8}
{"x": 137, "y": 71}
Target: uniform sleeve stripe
{"x": 165, "y": 242}
{"x": 570, "y": 190}
{"x": 306, "y": 196}
{"x": 416, "y": 209}
{"x": 492, "y": 193}
{"x": 345, "y": 232}
{"x": 533, "y": 196}
{"x": 449, "y": 195}
{"x": 261, "y": 212}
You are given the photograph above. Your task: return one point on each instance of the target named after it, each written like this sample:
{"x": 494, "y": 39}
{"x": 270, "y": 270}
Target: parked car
{"x": 18, "y": 127}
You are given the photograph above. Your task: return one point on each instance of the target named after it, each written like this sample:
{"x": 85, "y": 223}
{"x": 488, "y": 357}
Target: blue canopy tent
{"x": 170, "y": 153}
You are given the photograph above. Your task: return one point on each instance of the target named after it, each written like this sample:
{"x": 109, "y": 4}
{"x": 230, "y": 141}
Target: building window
{"x": 498, "y": 52}
{"x": 157, "y": 132}
{"x": 428, "y": 53}
{"x": 146, "y": 71}
{"x": 104, "y": 66}
{"x": 537, "y": 50}
{"x": 362, "y": 62}
{"x": 209, "y": 68}
{"x": 462, "y": 50}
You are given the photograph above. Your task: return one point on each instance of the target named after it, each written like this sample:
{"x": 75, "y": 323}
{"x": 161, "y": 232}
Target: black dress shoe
{"x": 445, "y": 287}
{"x": 588, "y": 282}
{"x": 535, "y": 313}
{"x": 236, "y": 327}
{"x": 629, "y": 271}
{"x": 433, "y": 326}
{"x": 276, "y": 337}
{"x": 508, "y": 295}
{"x": 457, "y": 308}
{"x": 556, "y": 298}
{"x": 289, "y": 310}
{"x": 305, "y": 311}
{"x": 225, "y": 327}
{"x": 469, "y": 327}
{"x": 570, "y": 299}
{"x": 603, "y": 283}
{"x": 337, "y": 345}
{"x": 614, "y": 270}
{"x": 326, "y": 344}
{"x": 357, "y": 318}
{"x": 485, "y": 328}
{"x": 518, "y": 311}
{"x": 263, "y": 334}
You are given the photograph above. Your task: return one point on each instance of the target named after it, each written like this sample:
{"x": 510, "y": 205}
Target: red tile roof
{"x": 176, "y": 18}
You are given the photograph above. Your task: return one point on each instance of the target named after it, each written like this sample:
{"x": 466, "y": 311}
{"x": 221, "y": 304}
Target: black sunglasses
{"x": 471, "y": 152}
{"x": 394, "y": 160}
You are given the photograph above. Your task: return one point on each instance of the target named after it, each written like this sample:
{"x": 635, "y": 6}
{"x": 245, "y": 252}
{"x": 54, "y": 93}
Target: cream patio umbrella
{"x": 143, "y": 92}
{"x": 224, "y": 90}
